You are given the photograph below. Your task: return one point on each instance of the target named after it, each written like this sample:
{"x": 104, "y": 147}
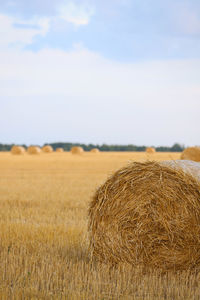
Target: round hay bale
{"x": 150, "y": 150}
{"x": 148, "y": 214}
{"x": 18, "y": 150}
{"x": 47, "y": 149}
{"x": 94, "y": 150}
{"x": 77, "y": 150}
{"x": 191, "y": 153}
{"x": 59, "y": 150}
{"x": 33, "y": 150}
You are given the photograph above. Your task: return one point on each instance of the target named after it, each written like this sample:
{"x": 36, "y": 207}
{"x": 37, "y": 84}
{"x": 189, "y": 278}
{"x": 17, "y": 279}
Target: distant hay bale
{"x": 150, "y": 150}
{"x": 47, "y": 149}
{"x": 33, "y": 150}
{"x": 191, "y": 153}
{"x": 148, "y": 214}
{"x": 77, "y": 150}
{"x": 59, "y": 150}
{"x": 18, "y": 150}
{"x": 94, "y": 150}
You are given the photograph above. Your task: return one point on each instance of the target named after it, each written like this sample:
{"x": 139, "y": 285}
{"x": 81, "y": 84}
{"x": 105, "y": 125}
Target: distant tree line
{"x": 67, "y": 146}
{"x": 7, "y": 147}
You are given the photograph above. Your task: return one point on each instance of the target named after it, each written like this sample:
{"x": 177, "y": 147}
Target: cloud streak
{"x": 19, "y": 36}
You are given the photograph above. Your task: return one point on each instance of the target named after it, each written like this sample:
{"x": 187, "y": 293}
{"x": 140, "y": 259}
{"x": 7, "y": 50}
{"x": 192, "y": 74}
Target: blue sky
{"x": 115, "y": 71}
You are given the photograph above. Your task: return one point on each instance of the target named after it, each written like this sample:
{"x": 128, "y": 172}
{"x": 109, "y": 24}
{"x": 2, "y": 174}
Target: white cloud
{"x": 18, "y": 36}
{"x": 86, "y": 75}
{"x": 143, "y": 103}
{"x": 17, "y": 33}
{"x": 75, "y": 14}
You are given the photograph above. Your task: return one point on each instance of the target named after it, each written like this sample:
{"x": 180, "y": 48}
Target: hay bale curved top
{"x": 77, "y": 150}
{"x": 147, "y": 214}
{"x": 47, "y": 149}
{"x": 18, "y": 150}
{"x": 94, "y": 150}
{"x": 191, "y": 153}
{"x": 150, "y": 150}
{"x": 59, "y": 150}
{"x": 33, "y": 150}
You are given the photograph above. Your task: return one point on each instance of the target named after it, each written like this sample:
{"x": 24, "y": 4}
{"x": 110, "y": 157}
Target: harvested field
{"x": 44, "y": 241}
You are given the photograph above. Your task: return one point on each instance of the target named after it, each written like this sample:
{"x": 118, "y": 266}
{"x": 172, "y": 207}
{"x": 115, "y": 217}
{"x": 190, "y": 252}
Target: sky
{"x": 109, "y": 71}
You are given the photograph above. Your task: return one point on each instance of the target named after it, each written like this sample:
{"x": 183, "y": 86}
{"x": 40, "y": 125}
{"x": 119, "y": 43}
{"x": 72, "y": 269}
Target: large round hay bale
{"x": 150, "y": 150}
{"x": 191, "y": 153}
{"x": 33, "y": 150}
{"x": 18, "y": 150}
{"x": 94, "y": 150}
{"x": 77, "y": 150}
{"x": 59, "y": 150}
{"x": 47, "y": 149}
{"x": 148, "y": 214}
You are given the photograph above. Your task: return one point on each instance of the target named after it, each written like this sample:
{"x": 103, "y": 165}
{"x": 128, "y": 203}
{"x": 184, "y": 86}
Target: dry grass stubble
{"x": 43, "y": 228}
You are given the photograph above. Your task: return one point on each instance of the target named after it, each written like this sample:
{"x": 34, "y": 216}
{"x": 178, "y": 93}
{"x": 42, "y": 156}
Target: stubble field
{"x": 43, "y": 232}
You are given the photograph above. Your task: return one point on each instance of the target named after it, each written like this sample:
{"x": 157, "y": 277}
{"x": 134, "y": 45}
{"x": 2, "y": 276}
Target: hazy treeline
{"x": 67, "y": 146}
{"x": 7, "y": 147}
